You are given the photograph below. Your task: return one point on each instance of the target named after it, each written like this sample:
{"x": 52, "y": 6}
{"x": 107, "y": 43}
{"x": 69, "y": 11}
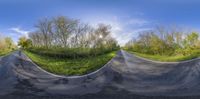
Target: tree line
{"x": 6, "y": 45}
{"x": 165, "y": 41}
{"x": 67, "y": 33}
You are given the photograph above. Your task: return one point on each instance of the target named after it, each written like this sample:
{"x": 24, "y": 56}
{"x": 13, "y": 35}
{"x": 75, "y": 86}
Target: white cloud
{"x": 124, "y": 37}
{"x": 20, "y": 31}
{"x": 123, "y": 28}
{"x": 138, "y": 22}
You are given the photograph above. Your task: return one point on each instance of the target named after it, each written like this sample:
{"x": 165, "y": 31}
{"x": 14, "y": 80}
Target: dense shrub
{"x": 167, "y": 42}
{"x": 71, "y": 52}
{"x": 6, "y": 45}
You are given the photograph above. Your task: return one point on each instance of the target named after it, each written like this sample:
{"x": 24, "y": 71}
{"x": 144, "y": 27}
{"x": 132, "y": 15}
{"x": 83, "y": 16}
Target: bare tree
{"x": 70, "y": 33}
{"x": 45, "y": 28}
{"x": 63, "y": 28}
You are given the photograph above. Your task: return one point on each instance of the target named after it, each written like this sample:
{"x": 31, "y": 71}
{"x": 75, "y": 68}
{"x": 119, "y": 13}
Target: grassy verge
{"x": 163, "y": 58}
{"x": 67, "y": 66}
{"x": 70, "y": 52}
{"x": 5, "y": 52}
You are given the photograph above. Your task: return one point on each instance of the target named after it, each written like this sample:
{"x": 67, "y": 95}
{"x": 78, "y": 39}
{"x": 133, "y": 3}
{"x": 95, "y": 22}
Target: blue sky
{"x": 127, "y": 17}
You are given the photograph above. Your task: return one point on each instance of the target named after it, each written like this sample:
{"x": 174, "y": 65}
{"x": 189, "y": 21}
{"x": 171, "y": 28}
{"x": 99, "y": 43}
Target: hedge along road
{"x": 125, "y": 76}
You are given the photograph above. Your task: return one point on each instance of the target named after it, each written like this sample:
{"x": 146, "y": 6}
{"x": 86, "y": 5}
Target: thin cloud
{"x": 123, "y": 28}
{"x": 139, "y": 22}
{"x": 124, "y": 37}
{"x": 20, "y": 31}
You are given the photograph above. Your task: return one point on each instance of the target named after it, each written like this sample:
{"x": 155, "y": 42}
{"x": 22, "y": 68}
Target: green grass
{"x": 68, "y": 66}
{"x": 163, "y": 58}
{"x": 5, "y": 52}
{"x": 70, "y": 52}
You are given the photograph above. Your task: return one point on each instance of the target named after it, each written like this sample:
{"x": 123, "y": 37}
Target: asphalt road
{"x": 124, "y": 77}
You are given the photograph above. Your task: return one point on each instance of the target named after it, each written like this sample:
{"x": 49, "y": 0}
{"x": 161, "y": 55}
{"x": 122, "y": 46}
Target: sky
{"x": 127, "y": 17}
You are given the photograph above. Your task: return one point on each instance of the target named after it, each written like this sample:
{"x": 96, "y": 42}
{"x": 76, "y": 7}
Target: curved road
{"x": 124, "y": 77}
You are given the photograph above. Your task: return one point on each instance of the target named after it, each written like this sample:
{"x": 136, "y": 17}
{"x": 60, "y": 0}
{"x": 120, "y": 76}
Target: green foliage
{"x": 165, "y": 58}
{"x": 6, "y": 45}
{"x": 168, "y": 46}
{"x": 5, "y": 52}
{"x": 70, "y": 66}
{"x": 73, "y": 53}
{"x": 191, "y": 40}
{"x": 24, "y": 42}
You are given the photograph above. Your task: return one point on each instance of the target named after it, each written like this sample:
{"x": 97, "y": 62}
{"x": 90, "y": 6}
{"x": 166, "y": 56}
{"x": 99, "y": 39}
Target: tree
{"x": 165, "y": 42}
{"x": 24, "y": 42}
{"x": 9, "y": 43}
{"x": 45, "y": 29}
{"x": 6, "y": 45}
{"x": 2, "y": 44}
{"x": 36, "y": 39}
{"x": 70, "y": 33}
{"x": 103, "y": 37}
{"x": 64, "y": 27}
{"x": 191, "y": 39}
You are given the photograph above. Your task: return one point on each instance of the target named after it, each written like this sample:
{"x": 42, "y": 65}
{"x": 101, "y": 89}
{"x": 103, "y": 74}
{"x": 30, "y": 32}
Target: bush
{"x": 167, "y": 43}
{"x": 73, "y": 53}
